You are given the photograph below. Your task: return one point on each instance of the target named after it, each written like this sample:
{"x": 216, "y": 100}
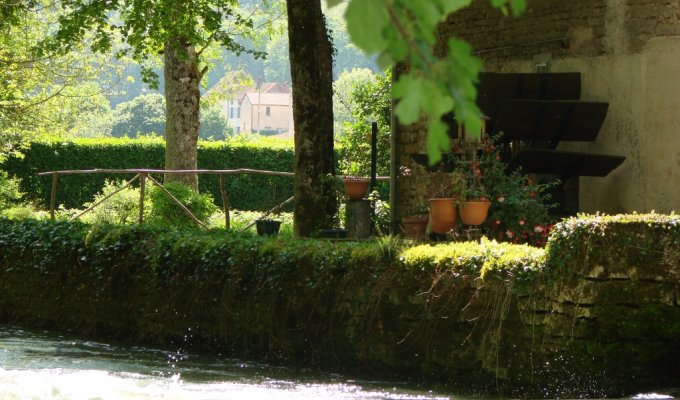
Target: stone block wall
{"x": 628, "y": 54}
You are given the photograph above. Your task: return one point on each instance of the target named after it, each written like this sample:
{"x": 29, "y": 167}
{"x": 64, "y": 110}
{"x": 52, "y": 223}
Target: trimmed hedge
{"x": 246, "y": 192}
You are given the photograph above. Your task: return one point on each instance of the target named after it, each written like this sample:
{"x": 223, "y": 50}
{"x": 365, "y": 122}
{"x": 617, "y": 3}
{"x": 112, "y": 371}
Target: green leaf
{"x": 366, "y": 20}
{"x": 437, "y": 140}
{"x": 518, "y": 6}
{"x": 412, "y": 95}
{"x": 426, "y": 13}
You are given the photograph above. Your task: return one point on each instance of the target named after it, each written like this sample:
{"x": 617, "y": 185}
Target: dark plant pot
{"x": 267, "y": 227}
{"x": 414, "y": 227}
{"x": 333, "y": 233}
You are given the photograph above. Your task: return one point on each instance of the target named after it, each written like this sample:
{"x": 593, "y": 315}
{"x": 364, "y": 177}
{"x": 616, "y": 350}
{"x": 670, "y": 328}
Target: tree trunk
{"x": 182, "y": 102}
{"x": 311, "y": 65}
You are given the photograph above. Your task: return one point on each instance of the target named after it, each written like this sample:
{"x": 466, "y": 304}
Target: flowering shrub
{"x": 520, "y": 205}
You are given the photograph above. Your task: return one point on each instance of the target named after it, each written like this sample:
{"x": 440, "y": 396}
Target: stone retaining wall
{"x": 602, "y": 317}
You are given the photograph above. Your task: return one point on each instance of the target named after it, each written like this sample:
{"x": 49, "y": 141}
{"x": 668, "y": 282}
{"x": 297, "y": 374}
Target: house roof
{"x": 231, "y": 85}
{"x": 270, "y": 99}
{"x": 274, "y": 87}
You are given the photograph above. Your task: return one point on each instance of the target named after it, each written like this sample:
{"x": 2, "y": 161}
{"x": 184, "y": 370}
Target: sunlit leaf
{"x": 366, "y": 20}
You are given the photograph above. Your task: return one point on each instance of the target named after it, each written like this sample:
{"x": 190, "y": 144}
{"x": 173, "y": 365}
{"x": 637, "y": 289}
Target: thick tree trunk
{"x": 182, "y": 102}
{"x": 311, "y": 65}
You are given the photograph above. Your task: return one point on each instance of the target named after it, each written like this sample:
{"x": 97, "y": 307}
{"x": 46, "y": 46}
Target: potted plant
{"x": 414, "y": 223}
{"x": 443, "y": 213}
{"x": 355, "y": 178}
{"x": 475, "y": 208}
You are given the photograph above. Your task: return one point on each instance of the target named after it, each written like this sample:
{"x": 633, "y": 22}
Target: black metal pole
{"x": 374, "y": 153}
{"x": 394, "y": 162}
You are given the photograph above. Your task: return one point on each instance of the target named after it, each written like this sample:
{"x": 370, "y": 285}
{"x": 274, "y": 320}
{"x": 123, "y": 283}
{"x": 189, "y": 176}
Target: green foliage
{"x": 636, "y": 236}
{"x": 213, "y": 124}
{"x": 369, "y": 101}
{"x": 344, "y": 107}
{"x": 145, "y": 115}
{"x": 405, "y": 31}
{"x": 381, "y": 214}
{"x": 520, "y": 206}
{"x": 146, "y": 27}
{"x": 9, "y": 190}
{"x": 486, "y": 259}
{"x": 169, "y": 252}
{"x": 246, "y": 192}
{"x": 166, "y": 212}
{"x": 240, "y": 219}
{"x": 49, "y": 94}
{"x": 142, "y": 115}
{"x": 23, "y": 211}
{"x": 120, "y": 208}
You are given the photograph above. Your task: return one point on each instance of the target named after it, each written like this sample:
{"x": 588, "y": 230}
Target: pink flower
{"x": 521, "y": 222}
{"x": 509, "y": 233}
{"x": 539, "y": 229}
{"x": 501, "y": 199}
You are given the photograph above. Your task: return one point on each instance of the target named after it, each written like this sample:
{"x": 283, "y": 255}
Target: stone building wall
{"x": 628, "y": 52}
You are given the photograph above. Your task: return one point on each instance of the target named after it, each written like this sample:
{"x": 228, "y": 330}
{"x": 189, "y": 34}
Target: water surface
{"x": 40, "y": 365}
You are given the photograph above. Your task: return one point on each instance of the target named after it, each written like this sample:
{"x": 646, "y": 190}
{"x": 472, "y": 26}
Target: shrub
{"x": 165, "y": 211}
{"x": 121, "y": 208}
{"x": 238, "y": 220}
{"x": 9, "y": 190}
{"x": 142, "y": 115}
{"x": 23, "y": 211}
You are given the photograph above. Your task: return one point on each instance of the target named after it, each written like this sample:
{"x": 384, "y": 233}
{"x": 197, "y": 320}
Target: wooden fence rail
{"x": 142, "y": 174}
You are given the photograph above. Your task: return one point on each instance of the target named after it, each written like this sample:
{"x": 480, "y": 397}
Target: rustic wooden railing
{"x": 143, "y": 174}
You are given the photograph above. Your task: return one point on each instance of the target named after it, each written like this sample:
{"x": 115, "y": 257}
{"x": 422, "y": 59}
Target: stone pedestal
{"x": 358, "y": 218}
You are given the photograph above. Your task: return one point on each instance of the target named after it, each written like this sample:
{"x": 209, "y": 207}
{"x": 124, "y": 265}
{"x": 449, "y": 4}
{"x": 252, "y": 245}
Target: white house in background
{"x": 232, "y": 106}
{"x": 266, "y": 113}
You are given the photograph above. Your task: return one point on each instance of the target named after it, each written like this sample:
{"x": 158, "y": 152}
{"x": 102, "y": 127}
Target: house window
{"x": 268, "y": 111}
{"x": 234, "y": 111}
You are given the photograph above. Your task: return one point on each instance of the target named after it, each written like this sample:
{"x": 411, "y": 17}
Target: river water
{"x": 41, "y": 365}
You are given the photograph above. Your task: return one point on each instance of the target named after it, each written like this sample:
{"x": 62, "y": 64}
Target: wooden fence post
{"x": 142, "y": 187}
{"x": 225, "y": 202}
{"x": 53, "y": 195}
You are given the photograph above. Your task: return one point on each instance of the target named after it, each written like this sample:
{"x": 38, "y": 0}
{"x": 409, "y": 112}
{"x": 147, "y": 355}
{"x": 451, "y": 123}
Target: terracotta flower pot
{"x": 414, "y": 227}
{"x": 443, "y": 215}
{"x": 474, "y": 212}
{"x": 355, "y": 187}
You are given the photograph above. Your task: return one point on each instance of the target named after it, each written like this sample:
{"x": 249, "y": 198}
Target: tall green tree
{"x": 40, "y": 93}
{"x": 181, "y": 32}
{"x": 311, "y": 67}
